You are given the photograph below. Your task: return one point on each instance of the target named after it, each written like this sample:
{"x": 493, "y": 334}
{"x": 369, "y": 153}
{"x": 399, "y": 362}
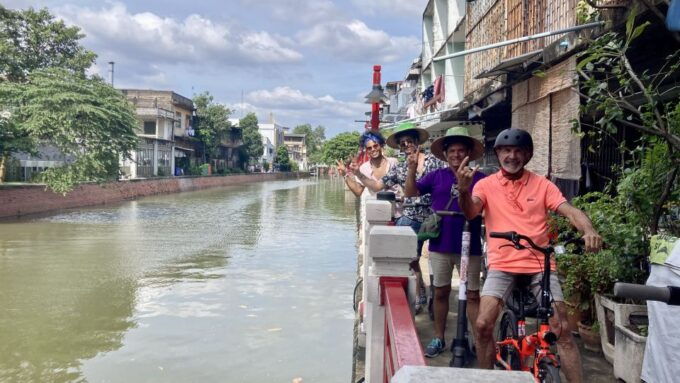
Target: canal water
{"x": 251, "y": 283}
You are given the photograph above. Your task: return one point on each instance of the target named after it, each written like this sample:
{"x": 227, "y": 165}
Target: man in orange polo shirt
{"x": 515, "y": 199}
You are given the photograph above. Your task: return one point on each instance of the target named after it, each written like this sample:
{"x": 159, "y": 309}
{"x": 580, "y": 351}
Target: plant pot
{"x": 610, "y": 314}
{"x": 573, "y": 317}
{"x": 591, "y": 339}
{"x": 629, "y": 354}
{"x": 605, "y": 308}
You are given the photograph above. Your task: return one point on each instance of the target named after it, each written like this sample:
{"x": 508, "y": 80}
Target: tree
{"x": 341, "y": 147}
{"x": 45, "y": 96}
{"x": 213, "y": 124}
{"x": 252, "y": 148}
{"x": 31, "y": 40}
{"x": 282, "y": 160}
{"x": 610, "y": 85}
{"x": 83, "y": 117}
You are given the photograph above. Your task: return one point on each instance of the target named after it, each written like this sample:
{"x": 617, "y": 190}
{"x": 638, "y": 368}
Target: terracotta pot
{"x": 591, "y": 339}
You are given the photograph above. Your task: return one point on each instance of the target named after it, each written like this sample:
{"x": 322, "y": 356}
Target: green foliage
{"x": 83, "y": 117}
{"x": 32, "y": 40}
{"x": 203, "y": 169}
{"x": 624, "y": 259}
{"x": 294, "y": 167}
{"x": 585, "y": 13}
{"x": 42, "y": 65}
{"x": 282, "y": 160}
{"x": 265, "y": 166}
{"x": 341, "y": 147}
{"x": 608, "y": 84}
{"x": 252, "y": 148}
{"x": 213, "y": 124}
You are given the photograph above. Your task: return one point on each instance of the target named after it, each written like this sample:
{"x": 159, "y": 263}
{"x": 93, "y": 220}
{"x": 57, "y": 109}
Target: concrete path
{"x": 595, "y": 368}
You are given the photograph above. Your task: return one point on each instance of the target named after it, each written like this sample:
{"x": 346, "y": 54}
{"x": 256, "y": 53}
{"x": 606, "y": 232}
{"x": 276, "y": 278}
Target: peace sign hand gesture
{"x": 342, "y": 170}
{"x": 464, "y": 175}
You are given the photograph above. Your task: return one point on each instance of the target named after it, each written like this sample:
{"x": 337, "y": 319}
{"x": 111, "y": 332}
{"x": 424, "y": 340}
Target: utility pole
{"x": 111, "y": 64}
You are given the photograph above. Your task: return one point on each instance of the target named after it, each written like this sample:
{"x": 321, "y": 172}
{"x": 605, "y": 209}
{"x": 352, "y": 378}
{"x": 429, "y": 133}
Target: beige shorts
{"x": 442, "y": 269}
{"x": 499, "y": 284}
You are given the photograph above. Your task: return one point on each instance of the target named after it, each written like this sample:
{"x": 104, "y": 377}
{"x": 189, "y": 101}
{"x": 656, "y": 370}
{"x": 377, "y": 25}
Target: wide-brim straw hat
{"x": 461, "y": 132}
{"x": 423, "y": 135}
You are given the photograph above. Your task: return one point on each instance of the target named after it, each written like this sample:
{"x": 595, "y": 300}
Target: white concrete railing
{"x": 386, "y": 252}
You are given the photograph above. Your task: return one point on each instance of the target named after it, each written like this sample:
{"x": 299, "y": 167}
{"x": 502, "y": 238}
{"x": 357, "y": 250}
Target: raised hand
{"x": 464, "y": 174}
{"x": 342, "y": 170}
{"x": 412, "y": 160}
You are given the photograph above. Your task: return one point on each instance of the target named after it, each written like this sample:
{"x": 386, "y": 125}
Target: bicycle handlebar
{"x": 505, "y": 235}
{"x": 514, "y": 237}
{"x": 447, "y": 212}
{"x": 668, "y": 294}
{"x": 391, "y": 197}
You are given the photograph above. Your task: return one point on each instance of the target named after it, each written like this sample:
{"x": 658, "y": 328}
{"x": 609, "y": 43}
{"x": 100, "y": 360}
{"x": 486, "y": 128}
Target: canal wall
{"x": 20, "y": 200}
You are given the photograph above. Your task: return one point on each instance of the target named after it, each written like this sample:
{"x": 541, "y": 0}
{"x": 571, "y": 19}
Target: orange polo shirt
{"x": 520, "y": 206}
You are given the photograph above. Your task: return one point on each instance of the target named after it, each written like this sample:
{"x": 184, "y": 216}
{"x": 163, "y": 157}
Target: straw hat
{"x": 423, "y": 135}
{"x": 461, "y": 132}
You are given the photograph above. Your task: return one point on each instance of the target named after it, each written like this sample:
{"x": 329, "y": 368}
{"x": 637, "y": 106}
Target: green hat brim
{"x": 437, "y": 147}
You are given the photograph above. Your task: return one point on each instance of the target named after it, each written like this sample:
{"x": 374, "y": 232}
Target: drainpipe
{"x": 519, "y": 40}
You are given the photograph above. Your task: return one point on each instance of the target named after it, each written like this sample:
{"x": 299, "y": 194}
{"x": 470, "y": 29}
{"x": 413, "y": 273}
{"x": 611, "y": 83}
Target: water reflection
{"x": 183, "y": 287}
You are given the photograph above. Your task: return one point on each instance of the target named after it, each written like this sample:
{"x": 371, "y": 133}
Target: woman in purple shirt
{"x": 453, "y": 148}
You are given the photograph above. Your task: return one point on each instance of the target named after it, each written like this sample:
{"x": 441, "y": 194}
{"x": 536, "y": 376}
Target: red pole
{"x": 375, "y": 107}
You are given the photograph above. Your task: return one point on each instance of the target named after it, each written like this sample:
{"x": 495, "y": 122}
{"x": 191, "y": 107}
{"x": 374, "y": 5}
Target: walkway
{"x": 595, "y": 367}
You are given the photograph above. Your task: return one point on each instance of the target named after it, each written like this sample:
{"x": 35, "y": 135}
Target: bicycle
{"x": 514, "y": 348}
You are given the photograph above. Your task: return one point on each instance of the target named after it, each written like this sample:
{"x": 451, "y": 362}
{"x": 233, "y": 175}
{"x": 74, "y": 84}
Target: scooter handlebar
{"x": 668, "y": 294}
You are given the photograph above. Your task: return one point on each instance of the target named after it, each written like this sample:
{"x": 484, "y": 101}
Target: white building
{"x": 272, "y": 138}
{"x": 432, "y": 90}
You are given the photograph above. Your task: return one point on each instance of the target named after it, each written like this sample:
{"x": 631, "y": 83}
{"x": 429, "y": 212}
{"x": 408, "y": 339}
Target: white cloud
{"x": 355, "y": 41}
{"x": 402, "y": 7}
{"x": 284, "y": 98}
{"x": 147, "y": 37}
{"x": 298, "y": 11}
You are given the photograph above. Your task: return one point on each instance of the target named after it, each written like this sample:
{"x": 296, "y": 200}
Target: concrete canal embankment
{"x": 19, "y": 200}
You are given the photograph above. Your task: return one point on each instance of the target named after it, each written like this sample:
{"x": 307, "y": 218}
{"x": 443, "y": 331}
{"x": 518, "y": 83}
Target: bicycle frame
{"x": 536, "y": 344}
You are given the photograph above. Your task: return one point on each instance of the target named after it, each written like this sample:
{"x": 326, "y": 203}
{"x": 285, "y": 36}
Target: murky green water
{"x": 244, "y": 284}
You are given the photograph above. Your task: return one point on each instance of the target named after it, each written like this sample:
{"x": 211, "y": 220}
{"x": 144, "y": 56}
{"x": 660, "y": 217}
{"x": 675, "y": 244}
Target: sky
{"x": 304, "y": 61}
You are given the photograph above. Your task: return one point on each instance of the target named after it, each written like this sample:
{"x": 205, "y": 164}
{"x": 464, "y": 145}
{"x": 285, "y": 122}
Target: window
{"x": 150, "y": 127}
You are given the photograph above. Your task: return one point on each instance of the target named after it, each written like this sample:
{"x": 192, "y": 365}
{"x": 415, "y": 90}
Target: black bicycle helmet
{"x": 514, "y": 137}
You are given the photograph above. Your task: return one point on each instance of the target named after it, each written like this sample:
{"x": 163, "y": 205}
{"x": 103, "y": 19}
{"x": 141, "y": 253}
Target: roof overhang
{"x": 516, "y": 64}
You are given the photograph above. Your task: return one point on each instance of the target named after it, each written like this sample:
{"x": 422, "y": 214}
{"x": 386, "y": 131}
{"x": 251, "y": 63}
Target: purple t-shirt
{"x": 439, "y": 183}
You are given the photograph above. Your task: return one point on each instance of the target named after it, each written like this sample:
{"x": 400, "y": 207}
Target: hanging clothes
{"x": 439, "y": 89}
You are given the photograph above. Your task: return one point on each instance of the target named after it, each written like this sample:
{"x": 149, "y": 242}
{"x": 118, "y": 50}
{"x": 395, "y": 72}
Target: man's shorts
{"x": 442, "y": 269}
{"x": 499, "y": 284}
{"x": 415, "y": 225}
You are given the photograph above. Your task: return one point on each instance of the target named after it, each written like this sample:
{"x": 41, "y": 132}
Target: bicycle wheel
{"x": 508, "y": 329}
{"x": 549, "y": 372}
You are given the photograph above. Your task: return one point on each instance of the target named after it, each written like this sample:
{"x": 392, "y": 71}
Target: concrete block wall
{"x": 20, "y": 200}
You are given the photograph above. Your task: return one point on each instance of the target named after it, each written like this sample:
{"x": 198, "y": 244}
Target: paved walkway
{"x": 595, "y": 367}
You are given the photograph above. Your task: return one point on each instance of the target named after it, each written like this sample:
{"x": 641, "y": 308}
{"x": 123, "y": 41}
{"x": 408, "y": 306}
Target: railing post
{"x": 372, "y": 213}
{"x": 389, "y": 252}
